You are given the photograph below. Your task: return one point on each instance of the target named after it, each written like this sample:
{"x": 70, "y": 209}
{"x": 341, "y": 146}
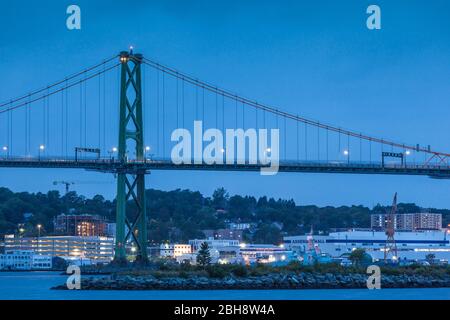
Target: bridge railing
{"x": 287, "y": 163}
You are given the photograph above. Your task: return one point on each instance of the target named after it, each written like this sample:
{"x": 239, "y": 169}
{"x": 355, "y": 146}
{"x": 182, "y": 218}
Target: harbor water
{"x": 37, "y": 285}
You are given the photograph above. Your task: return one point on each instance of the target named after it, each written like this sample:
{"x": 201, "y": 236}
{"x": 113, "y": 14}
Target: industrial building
{"x": 411, "y": 245}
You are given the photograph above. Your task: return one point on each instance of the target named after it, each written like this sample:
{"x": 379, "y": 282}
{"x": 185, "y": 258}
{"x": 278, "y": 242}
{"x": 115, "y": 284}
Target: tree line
{"x": 180, "y": 215}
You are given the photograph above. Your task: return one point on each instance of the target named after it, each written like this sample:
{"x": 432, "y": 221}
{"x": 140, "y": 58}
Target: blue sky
{"x": 317, "y": 60}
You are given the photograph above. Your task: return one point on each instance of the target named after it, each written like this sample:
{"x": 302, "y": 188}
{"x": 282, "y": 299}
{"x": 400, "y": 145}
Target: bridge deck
{"x": 114, "y": 166}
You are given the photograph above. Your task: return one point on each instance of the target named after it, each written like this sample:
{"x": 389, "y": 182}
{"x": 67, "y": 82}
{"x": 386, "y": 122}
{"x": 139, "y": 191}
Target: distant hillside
{"x": 180, "y": 215}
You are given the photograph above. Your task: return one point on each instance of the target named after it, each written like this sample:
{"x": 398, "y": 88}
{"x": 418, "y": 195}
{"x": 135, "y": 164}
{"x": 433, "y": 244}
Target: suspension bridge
{"x": 117, "y": 117}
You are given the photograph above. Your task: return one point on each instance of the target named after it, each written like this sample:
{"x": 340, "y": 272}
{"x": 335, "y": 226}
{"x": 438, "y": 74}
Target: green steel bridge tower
{"x": 131, "y": 219}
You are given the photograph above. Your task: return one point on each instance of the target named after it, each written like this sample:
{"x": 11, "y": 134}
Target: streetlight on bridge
{"x": 146, "y": 150}
{"x": 347, "y": 154}
{"x": 41, "y": 150}
{"x": 5, "y": 150}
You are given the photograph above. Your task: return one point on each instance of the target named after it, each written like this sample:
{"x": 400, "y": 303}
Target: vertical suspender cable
{"x": 176, "y": 105}
{"x": 318, "y": 143}
{"x": 235, "y": 113}
{"x": 157, "y": 112}
{"x": 81, "y": 114}
{"x": 285, "y": 139}
{"x": 99, "y": 112}
{"x": 203, "y": 104}
{"x": 217, "y": 112}
{"x": 182, "y": 101}
{"x": 163, "y": 114}
{"x": 104, "y": 109}
{"x": 306, "y": 141}
{"x": 85, "y": 111}
{"x": 223, "y": 114}
{"x": 62, "y": 123}
{"x": 298, "y": 140}
{"x": 196, "y": 103}
{"x": 67, "y": 120}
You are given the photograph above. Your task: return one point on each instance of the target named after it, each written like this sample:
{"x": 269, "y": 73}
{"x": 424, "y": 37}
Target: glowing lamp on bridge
{"x": 346, "y": 152}
{"x": 114, "y": 149}
{"x": 407, "y": 152}
{"x": 41, "y": 147}
{"x": 147, "y": 148}
{"x": 5, "y": 148}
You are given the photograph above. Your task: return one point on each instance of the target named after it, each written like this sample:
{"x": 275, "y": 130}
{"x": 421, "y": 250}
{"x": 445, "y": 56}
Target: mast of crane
{"x": 391, "y": 248}
{"x": 65, "y": 183}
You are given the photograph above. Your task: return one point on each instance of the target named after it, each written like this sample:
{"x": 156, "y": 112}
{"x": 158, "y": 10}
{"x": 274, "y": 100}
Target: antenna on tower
{"x": 390, "y": 247}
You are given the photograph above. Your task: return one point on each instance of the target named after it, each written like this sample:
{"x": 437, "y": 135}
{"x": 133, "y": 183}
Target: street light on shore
{"x": 39, "y": 226}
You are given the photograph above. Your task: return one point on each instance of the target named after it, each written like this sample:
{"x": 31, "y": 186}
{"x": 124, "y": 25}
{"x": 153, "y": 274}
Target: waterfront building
{"x": 174, "y": 250}
{"x": 408, "y": 221}
{"x": 266, "y": 253}
{"x": 222, "y": 251}
{"x": 24, "y": 260}
{"x": 84, "y": 225}
{"x": 98, "y": 249}
{"x": 213, "y": 243}
{"x": 411, "y": 245}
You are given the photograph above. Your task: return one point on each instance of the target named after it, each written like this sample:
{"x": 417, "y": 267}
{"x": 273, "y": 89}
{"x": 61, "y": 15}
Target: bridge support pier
{"x": 131, "y": 217}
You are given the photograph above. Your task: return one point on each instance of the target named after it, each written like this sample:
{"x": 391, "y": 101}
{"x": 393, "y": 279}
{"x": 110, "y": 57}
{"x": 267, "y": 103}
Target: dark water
{"x": 36, "y": 285}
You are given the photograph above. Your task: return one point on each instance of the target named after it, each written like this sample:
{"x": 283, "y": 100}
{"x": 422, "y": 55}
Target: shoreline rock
{"x": 271, "y": 281}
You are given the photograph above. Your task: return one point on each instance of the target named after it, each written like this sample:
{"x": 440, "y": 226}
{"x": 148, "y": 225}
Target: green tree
{"x": 220, "y": 199}
{"x": 204, "y": 256}
{"x": 430, "y": 258}
{"x": 358, "y": 256}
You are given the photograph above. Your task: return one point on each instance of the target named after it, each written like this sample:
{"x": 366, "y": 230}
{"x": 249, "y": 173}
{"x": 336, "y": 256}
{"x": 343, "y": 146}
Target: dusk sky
{"x": 316, "y": 59}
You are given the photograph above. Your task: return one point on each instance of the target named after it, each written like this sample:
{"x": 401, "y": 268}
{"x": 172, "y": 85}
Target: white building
{"x": 174, "y": 250}
{"x": 265, "y": 253}
{"x": 239, "y": 226}
{"x": 411, "y": 245}
{"x": 224, "y": 251}
{"x": 24, "y": 260}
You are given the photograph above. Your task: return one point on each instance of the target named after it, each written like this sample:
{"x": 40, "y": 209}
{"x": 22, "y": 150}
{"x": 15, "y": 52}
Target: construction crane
{"x": 390, "y": 247}
{"x": 66, "y": 183}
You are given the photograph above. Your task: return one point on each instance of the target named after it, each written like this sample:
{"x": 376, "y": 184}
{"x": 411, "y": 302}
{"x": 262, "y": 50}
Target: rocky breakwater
{"x": 271, "y": 281}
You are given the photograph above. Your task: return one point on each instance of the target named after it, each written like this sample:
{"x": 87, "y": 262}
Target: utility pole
{"x": 131, "y": 181}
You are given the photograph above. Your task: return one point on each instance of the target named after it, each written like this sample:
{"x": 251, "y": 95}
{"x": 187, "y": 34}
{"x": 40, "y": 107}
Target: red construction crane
{"x": 390, "y": 247}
